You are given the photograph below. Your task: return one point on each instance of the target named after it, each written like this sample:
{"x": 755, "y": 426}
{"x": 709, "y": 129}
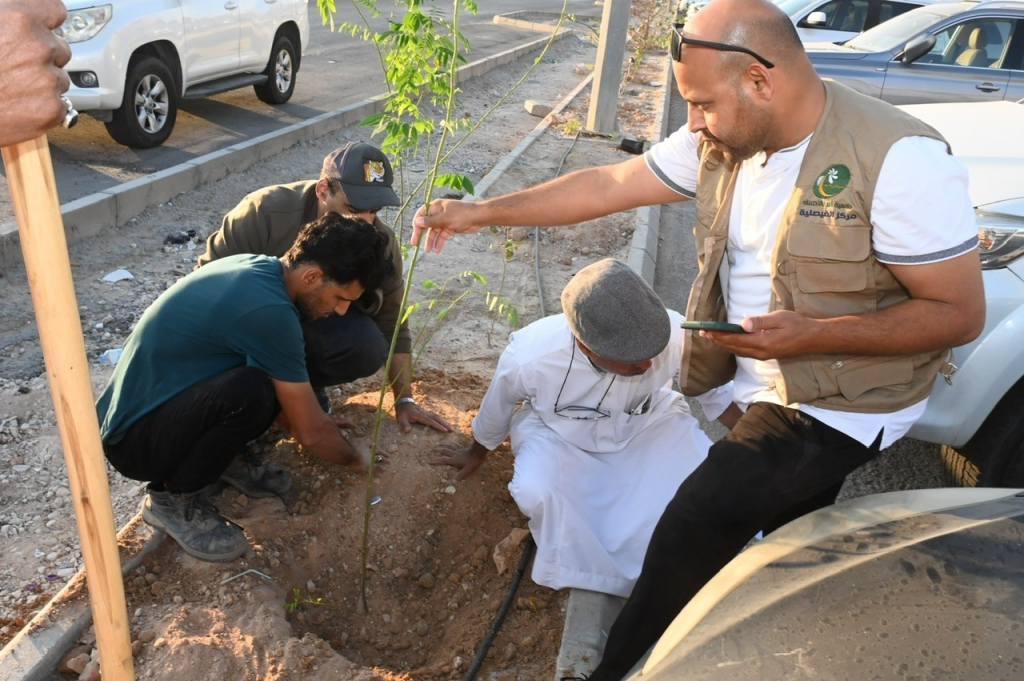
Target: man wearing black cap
{"x": 356, "y": 180}
{"x": 602, "y": 442}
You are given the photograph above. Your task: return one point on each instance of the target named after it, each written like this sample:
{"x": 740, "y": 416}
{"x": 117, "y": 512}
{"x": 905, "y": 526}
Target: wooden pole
{"x": 34, "y": 195}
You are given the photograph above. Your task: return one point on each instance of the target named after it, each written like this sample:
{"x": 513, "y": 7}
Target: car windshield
{"x": 895, "y": 33}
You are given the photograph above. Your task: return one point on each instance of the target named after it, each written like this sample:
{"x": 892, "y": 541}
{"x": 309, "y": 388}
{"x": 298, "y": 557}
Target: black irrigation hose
{"x": 499, "y": 619}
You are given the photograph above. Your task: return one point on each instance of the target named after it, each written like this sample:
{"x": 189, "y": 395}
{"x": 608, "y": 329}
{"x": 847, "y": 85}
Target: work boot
{"x": 193, "y": 521}
{"x": 257, "y": 480}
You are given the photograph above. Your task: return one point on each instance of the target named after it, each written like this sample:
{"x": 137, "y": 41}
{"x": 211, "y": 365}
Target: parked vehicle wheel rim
{"x": 152, "y": 102}
{"x": 283, "y": 72}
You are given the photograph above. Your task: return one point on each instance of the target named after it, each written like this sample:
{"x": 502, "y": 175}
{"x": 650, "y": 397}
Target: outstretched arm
{"x": 574, "y": 198}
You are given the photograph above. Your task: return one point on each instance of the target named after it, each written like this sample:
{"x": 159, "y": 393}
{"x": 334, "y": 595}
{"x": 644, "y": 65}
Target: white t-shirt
{"x": 921, "y": 213}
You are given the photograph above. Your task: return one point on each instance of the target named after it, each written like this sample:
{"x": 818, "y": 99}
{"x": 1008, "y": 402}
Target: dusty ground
{"x": 432, "y": 585}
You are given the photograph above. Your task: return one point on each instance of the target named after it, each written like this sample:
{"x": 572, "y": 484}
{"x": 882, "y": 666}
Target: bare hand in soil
{"x": 408, "y": 413}
{"x": 446, "y": 218}
{"x": 465, "y": 458}
{"x": 345, "y": 423}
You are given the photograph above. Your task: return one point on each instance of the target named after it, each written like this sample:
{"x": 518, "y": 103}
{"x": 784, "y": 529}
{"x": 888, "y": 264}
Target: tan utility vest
{"x": 823, "y": 264}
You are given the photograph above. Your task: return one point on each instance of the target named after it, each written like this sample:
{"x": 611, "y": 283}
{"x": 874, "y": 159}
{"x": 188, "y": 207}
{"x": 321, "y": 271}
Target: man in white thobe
{"x": 601, "y": 442}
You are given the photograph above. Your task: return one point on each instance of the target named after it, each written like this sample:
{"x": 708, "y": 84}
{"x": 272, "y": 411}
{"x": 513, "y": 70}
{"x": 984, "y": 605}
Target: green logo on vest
{"x": 832, "y": 181}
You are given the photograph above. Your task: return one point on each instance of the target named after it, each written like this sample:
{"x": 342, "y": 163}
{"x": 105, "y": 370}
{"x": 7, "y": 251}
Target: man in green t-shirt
{"x": 217, "y": 359}
{"x": 355, "y": 180}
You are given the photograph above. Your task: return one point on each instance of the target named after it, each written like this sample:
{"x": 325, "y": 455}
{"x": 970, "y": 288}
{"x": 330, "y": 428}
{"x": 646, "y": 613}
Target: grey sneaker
{"x": 256, "y": 479}
{"x": 193, "y": 521}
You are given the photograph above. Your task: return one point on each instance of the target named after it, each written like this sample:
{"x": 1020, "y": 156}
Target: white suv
{"x": 979, "y": 416}
{"x": 132, "y": 61}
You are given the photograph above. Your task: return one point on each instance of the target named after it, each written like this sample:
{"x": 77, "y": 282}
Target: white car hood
{"x": 988, "y": 138}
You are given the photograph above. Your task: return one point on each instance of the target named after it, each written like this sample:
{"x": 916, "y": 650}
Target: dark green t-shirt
{"x": 231, "y": 313}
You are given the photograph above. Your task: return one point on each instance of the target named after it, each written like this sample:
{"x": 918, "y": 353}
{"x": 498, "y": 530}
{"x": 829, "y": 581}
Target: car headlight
{"x": 1000, "y": 237}
{"x": 83, "y": 24}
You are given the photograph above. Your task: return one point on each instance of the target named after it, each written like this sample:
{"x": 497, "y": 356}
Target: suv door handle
{"x": 230, "y": 5}
{"x": 987, "y": 87}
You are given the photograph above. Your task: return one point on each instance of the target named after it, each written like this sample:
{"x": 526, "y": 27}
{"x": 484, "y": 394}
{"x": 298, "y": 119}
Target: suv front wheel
{"x": 149, "y": 109}
{"x": 280, "y": 73}
{"x": 994, "y": 457}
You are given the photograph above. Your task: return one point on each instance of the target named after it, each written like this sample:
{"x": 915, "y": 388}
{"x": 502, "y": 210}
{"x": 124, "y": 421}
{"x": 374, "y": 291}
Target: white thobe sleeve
{"x": 715, "y": 401}
{"x": 492, "y": 423}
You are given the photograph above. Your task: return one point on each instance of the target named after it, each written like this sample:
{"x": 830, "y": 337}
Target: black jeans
{"x": 343, "y": 348}
{"x": 187, "y": 442}
{"x": 776, "y": 465}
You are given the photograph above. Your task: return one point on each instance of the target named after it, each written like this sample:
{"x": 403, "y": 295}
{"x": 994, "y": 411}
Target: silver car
{"x": 839, "y": 20}
{"x": 956, "y": 52}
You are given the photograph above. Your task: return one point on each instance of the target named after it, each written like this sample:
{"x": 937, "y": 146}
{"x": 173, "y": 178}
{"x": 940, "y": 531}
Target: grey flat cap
{"x": 614, "y": 312}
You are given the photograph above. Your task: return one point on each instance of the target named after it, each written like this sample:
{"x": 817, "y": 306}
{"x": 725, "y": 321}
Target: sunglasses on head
{"x": 678, "y": 40}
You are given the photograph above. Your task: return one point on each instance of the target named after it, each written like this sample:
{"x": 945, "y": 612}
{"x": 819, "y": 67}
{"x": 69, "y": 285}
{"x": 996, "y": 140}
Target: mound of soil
{"x": 432, "y": 586}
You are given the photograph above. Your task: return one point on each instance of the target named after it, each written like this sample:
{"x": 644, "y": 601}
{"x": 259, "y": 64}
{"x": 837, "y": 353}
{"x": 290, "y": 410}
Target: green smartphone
{"x": 712, "y": 326}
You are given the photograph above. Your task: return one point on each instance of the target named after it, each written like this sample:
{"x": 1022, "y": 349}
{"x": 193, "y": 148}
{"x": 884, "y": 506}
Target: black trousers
{"x": 776, "y": 465}
{"x": 343, "y": 348}
{"x": 187, "y": 442}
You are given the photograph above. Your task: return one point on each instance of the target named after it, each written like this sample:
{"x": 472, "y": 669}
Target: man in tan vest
{"x": 836, "y": 229}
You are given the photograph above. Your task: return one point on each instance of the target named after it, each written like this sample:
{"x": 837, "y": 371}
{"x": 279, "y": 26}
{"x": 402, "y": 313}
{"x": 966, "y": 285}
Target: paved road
{"x": 336, "y": 70}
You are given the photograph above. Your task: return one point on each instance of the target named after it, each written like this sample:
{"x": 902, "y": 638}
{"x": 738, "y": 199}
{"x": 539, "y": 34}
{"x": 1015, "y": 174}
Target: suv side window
{"x": 855, "y": 16}
{"x": 974, "y": 43}
{"x": 887, "y": 10}
{"x": 841, "y": 15}
{"x": 831, "y": 10}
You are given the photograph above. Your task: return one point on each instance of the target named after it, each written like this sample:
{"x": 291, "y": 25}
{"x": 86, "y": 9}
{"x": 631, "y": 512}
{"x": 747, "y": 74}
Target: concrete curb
{"x": 643, "y": 251}
{"x": 115, "y": 207}
{"x": 35, "y": 652}
{"x": 590, "y": 615}
{"x": 504, "y": 164}
{"x": 521, "y": 19}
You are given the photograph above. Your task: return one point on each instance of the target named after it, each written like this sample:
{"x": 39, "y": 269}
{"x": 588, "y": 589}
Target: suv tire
{"x": 994, "y": 457}
{"x": 280, "y": 72}
{"x": 149, "y": 109}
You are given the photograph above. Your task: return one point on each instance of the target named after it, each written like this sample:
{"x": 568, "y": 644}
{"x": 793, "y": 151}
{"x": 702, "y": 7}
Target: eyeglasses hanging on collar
{"x": 576, "y": 412}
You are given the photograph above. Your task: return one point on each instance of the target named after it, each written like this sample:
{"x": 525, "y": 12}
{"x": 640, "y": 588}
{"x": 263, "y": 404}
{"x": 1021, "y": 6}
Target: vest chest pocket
{"x": 830, "y": 272}
{"x": 829, "y": 241}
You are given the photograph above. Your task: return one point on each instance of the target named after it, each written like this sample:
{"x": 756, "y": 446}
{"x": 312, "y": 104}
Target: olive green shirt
{"x": 267, "y": 222}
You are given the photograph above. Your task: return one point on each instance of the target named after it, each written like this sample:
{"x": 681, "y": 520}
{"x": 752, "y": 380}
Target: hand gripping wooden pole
{"x": 34, "y": 194}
